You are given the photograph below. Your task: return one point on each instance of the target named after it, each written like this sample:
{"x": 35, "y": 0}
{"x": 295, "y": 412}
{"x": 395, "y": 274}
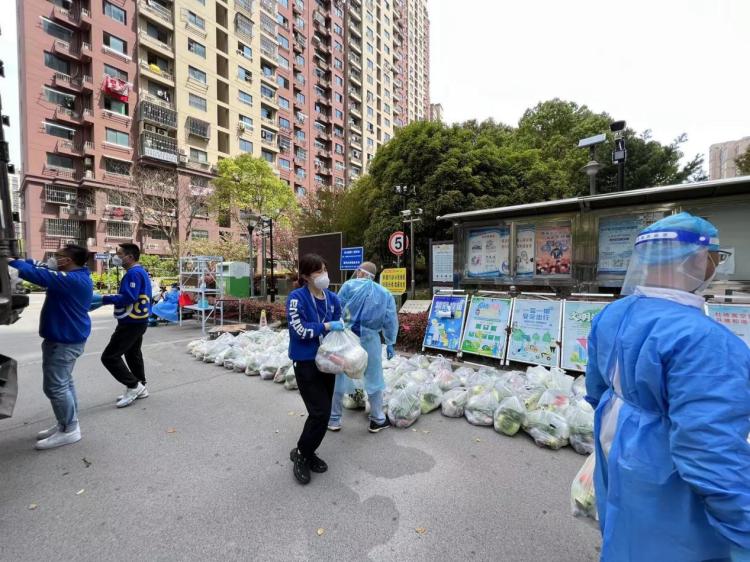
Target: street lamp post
{"x": 410, "y": 217}
{"x": 251, "y": 219}
{"x": 270, "y": 240}
{"x": 592, "y": 167}
{"x": 403, "y": 191}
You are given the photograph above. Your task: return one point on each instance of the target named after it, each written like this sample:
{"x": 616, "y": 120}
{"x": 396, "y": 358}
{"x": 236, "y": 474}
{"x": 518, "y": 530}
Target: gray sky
{"x": 672, "y": 66}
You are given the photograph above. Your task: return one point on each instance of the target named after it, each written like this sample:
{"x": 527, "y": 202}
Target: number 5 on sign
{"x": 398, "y": 243}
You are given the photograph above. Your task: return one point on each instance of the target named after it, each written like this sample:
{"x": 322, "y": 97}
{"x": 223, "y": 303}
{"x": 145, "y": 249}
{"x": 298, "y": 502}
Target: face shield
{"x": 679, "y": 252}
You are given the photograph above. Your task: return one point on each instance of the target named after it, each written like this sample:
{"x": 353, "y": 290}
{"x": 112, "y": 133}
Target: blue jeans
{"x": 337, "y": 407}
{"x": 58, "y": 360}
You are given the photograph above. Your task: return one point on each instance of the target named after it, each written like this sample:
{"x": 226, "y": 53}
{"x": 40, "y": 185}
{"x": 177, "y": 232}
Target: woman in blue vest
{"x": 312, "y": 312}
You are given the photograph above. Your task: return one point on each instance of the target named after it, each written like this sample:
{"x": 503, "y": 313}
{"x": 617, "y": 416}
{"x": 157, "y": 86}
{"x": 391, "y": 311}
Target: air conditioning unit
{"x": 241, "y": 127}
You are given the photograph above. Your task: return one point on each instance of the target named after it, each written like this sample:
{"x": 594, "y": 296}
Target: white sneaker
{"x": 59, "y": 438}
{"x": 143, "y": 394}
{"x": 131, "y": 395}
{"x": 44, "y": 434}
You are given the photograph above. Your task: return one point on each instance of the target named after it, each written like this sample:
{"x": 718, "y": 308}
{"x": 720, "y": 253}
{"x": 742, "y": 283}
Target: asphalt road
{"x": 200, "y": 470}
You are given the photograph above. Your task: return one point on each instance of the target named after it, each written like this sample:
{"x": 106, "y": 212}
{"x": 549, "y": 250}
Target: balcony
{"x": 144, "y": 95}
{"x": 158, "y": 147}
{"x": 117, "y": 178}
{"x": 114, "y": 53}
{"x": 69, "y": 115}
{"x": 158, "y": 74}
{"x": 200, "y": 165}
{"x": 322, "y": 134}
{"x": 269, "y": 122}
{"x": 269, "y": 53}
{"x": 67, "y": 50}
{"x": 298, "y": 7}
{"x": 69, "y": 147}
{"x": 355, "y": 140}
{"x": 245, "y": 6}
{"x": 119, "y": 213}
{"x": 269, "y": 99}
{"x": 268, "y": 25}
{"x": 156, "y": 44}
{"x": 355, "y": 60}
{"x": 355, "y": 78}
{"x": 244, "y": 33}
{"x": 157, "y": 114}
{"x": 354, "y": 92}
{"x": 156, "y": 12}
{"x": 76, "y": 83}
{"x": 60, "y": 195}
{"x": 70, "y": 17}
{"x": 198, "y": 128}
{"x": 320, "y": 45}
{"x": 269, "y": 78}
{"x": 356, "y": 32}
{"x": 77, "y": 212}
{"x": 118, "y": 118}
{"x": 355, "y": 127}
{"x": 355, "y": 109}
{"x": 322, "y": 117}
{"x": 58, "y": 172}
{"x": 269, "y": 6}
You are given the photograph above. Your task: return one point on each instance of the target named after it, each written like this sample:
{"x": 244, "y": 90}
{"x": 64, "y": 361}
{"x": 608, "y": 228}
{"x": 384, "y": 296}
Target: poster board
{"x": 535, "y": 332}
{"x": 488, "y": 252}
{"x": 442, "y": 263}
{"x": 525, "y": 247}
{"x": 394, "y": 280}
{"x": 445, "y": 323}
{"x": 576, "y": 326}
{"x": 617, "y": 236}
{"x": 553, "y": 251}
{"x": 415, "y": 306}
{"x": 485, "y": 332}
{"x": 735, "y": 317}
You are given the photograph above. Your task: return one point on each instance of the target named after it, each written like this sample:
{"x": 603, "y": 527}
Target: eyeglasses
{"x": 724, "y": 256}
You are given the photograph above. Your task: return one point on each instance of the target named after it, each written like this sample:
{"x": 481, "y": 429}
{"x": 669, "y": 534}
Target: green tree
{"x": 248, "y": 183}
{"x": 743, "y": 163}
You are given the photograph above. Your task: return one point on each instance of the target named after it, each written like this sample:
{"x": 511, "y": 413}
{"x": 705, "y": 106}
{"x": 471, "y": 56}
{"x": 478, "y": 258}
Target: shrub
{"x": 251, "y": 309}
{"x": 411, "y": 330}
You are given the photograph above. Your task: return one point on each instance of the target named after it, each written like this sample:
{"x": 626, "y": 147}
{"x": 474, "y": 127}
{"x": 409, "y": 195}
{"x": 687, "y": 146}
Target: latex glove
{"x": 336, "y": 326}
{"x": 389, "y": 351}
{"x": 96, "y": 302}
{"x": 740, "y": 555}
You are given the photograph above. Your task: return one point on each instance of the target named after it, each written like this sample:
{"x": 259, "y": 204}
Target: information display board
{"x": 576, "y": 326}
{"x": 525, "y": 236}
{"x": 442, "y": 263}
{"x": 736, "y": 317}
{"x": 445, "y": 323}
{"x": 535, "y": 332}
{"x": 488, "y": 252}
{"x": 554, "y": 250}
{"x": 616, "y": 240}
{"x": 415, "y": 307}
{"x": 394, "y": 280}
{"x": 485, "y": 332}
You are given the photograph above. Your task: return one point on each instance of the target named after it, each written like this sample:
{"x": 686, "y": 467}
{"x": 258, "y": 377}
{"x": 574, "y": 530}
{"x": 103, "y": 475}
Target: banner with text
{"x": 535, "y": 331}
{"x": 394, "y": 280}
{"x": 486, "y": 323}
{"x": 736, "y": 317}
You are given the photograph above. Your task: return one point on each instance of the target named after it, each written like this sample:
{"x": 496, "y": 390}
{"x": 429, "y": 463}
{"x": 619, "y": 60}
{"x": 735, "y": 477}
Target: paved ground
{"x": 200, "y": 471}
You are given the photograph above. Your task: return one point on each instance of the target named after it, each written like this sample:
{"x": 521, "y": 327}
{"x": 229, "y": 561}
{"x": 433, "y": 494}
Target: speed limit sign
{"x": 398, "y": 243}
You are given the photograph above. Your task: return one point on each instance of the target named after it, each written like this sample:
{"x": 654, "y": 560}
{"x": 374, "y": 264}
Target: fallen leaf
{"x": 477, "y": 440}
{"x": 79, "y": 492}
{"x": 425, "y": 431}
{"x": 33, "y": 506}
{"x": 414, "y": 430}
{"x": 321, "y": 531}
{"x": 171, "y": 430}
{"x": 421, "y": 530}
{"x": 86, "y": 462}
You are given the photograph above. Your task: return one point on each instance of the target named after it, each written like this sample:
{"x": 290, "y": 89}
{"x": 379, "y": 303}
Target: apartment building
{"x": 414, "y": 59}
{"x": 16, "y": 203}
{"x": 722, "y": 158}
{"x": 112, "y": 87}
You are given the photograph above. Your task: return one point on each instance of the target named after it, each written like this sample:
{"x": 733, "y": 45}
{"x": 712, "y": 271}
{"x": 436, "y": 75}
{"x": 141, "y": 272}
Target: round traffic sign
{"x": 398, "y": 243}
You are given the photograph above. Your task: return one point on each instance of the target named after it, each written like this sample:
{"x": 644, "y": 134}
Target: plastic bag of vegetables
{"x": 463, "y": 373}
{"x": 239, "y": 363}
{"x": 583, "y": 495}
{"x": 280, "y": 376}
{"x": 254, "y": 361}
{"x": 560, "y": 381}
{"x": 341, "y": 352}
{"x": 538, "y": 376}
{"x": 580, "y": 418}
{"x": 404, "y": 406}
{"x": 354, "y": 400}
{"x": 420, "y": 361}
{"x": 269, "y": 366}
{"x": 448, "y": 380}
{"x": 290, "y": 381}
{"x": 579, "y": 386}
{"x": 440, "y": 364}
{"x": 479, "y": 378}
{"x": 454, "y": 402}
{"x": 431, "y": 396}
{"x": 554, "y": 401}
{"x": 530, "y": 396}
{"x": 480, "y": 408}
{"x": 509, "y": 416}
{"x": 548, "y": 429}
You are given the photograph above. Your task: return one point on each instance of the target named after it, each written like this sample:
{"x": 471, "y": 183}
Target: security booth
{"x": 583, "y": 244}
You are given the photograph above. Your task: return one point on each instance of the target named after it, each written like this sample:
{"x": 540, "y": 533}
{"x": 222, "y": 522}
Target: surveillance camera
{"x": 617, "y": 126}
{"x": 418, "y": 211}
{"x": 406, "y": 213}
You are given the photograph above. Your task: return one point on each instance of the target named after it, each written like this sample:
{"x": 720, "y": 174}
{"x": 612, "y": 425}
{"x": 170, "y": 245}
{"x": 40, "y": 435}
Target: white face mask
{"x": 117, "y": 261}
{"x": 52, "y": 263}
{"x": 322, "y": 281}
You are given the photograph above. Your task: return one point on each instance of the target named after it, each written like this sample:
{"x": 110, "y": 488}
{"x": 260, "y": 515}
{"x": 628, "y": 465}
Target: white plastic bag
{"x": 509, "y": 416}
{"x": 548, "y": 429}
{"x": 480, "y": 408}
{"x": 454, "y": 402}
{"x": 580, "y": 418}
{"x": 404, "y": 406}
{"x": 341, "y": 352}
{"x": 583, "y": 494}
{"x": 430, "y": 397}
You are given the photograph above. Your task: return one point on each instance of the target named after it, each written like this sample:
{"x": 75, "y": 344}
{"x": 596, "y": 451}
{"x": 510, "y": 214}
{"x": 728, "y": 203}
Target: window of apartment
{"x": 283, "y": 41}
{"x": 244, "y": 74}
{"x": 387, "y": 107}
{"x": 387, "y": 35}
{"x": 59, "y": 161}
{"x": 59, "y": 131}
{"x": 370, "y": 112}
{"x": 370, "y": 80}
{"x": 300, "y": 97}
{"x": 267, "y": 92}
{"x": 197, "y": 75}
{"x": 115, "y": 12}
{"x": 115, "y": 43}
{"x": 387, "y": 123}
{"x": 370, "y": 49}
{"x": 199, "y": 234}
{"x": 337, "y": 29}
{"x": 386, "y": 137}
{"x": 267, "y": 155}
{"x": 300, "y": 60}
{"x": 56, "y": 30}
{"x": 338, "y": 63}
{"x": 196, "y": 48}
{"x": 197, "y": 102}
{"x": 196, "y": 20}
{"x": 244, "y": 97}
{"x": 300, "y": 173}
{"x": 118, "y": 198}
{"x": 246, "y": 121}
{"x": 300, "y": 153}
{"x": 339, "y": 114}
{"x": 197, "y": 155}
{"x": 244, "y": 50}
{"x": 116, "y": 106}
{"x": 284, "y": 123}
{"x": 340, "y": 167}
{"x": 246, "y": 146}
{"x": 282, "y": 60}
{"x": 338, "y": 97}
{"x": 59, "y": 98}
{"x": 157, "y": 234}
{"x": 115, "y": 73}
{"x": 283, "y": 103}
{"x": 281, "y": 81}
{"x": 339, "y": 13}
{"x": 114, "y": 136}
{"x": 387, "y": 21}
{"x": 281, "y": 20}
{"x": 370, "y": 64}
{"x": 339, "y": 80}
{"x": 299, "y": 22}
{"x": 339, "y": 149}
{"x": 300, "y": 135}
{"x": 119, "y": 167}
{"x": 284, "y": 3}
{"x": 370, "y": 34}
{"x": 285, "y": 164}
{"x": 56, "y": 63}
{"x": 243, "y": 24}
{"x": 370, "y": 143}
{"x": 370, "y": 17}
{"x": 387, "y": 50}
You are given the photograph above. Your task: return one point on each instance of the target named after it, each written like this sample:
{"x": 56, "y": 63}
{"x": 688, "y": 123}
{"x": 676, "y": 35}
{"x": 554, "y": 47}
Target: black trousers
{"x": 316, "y": 389}
{"x": 126, "y": 342}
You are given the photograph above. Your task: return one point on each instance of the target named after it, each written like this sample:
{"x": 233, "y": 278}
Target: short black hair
{"x": 131, "y": 250}
{"x": 309, "y": 264}
{"x": 78, "y": 254}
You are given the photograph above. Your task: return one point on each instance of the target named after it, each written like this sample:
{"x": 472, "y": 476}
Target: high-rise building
{"x": 436, "y": 112}
{"x": 16, "y": 203}
{"x": 722, "y": 158}
{"x": 110, "y": 88}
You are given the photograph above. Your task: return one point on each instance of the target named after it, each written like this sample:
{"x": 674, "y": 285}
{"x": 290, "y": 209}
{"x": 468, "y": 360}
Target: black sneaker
{"x": 301, "y": 467}
{"x": 375, "y": 427}
{"x": 318, "y": 465}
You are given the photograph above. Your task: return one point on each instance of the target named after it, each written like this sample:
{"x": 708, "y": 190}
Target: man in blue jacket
{"x": 64, "y": 326}
{"x": 132, "y": 310}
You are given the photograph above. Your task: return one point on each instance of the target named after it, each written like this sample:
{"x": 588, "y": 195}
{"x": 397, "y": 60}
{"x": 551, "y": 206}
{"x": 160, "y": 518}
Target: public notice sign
{"x": 554, "y": 250}
{"x": 736, "y": 317}
{"x": 576, "y": 327}
{"x": 525, "y": 236}
{"x": 445, "y": 323}
{"x": 488, "y": 252}
{"x": 442, "y": 263}
{"x": 616, "y": 240}
{"x": 485, "y": 332}
{"x": 394, "y": 280}
{"x": 535, "y": 331}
